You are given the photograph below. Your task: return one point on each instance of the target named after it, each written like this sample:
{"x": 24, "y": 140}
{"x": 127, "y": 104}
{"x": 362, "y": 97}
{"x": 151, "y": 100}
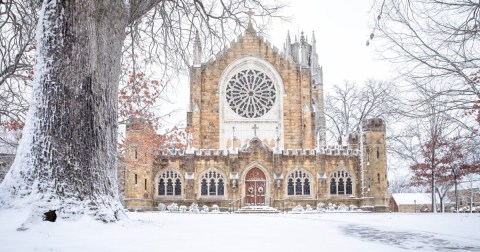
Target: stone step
{"x": 257, "y": 210}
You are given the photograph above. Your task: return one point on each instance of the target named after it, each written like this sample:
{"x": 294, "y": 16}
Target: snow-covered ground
{"x": 253, "y": 232}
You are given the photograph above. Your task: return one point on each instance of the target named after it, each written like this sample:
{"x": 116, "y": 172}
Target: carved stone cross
{"x": 250, "y": 14}
{"x": 255, "y": 129}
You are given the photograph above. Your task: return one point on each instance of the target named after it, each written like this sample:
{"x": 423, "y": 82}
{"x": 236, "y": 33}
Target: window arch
{"x": 341, "y": 183}
{"x": 212, "y": 183}
{"x": 169, "y": 183}
{"x": 298, "y": 183}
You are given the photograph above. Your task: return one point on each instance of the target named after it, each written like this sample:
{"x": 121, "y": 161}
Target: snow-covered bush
{"x": 182, "y": 209}
{"x": 205, "y": 209}
{"x": 308, "y": 208}
{"x": 215, "y": 209}
{"x": 298, "y": 209}
{"x": 353, "y": 208}
{"x": 331, "y": 207}
{"x": 342, "y": 208}
{"x": 321, "y": 206}
{"x": 162, "y": 207}
{"x": 172, "y": 207}
{"x": 194, "y": 208}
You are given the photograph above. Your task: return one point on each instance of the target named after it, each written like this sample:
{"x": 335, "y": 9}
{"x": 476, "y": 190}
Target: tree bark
{"x": 67, "y": 158}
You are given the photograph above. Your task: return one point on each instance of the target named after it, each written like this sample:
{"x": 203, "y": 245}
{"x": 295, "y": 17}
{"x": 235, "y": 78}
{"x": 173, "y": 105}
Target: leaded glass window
{"x": 341, "y": 186}
{"x": 333, "y": 186}
{"x": 344, "y": 184}
{"x": 306, "y": 187}
{"x": 298, "y": 183}
{"x": 204, "y": 187}
{"x": 250, "y": 93}
{"x": 290, "y": 187}
{"x": 212, "y": 184}
{"x": 349, "y": 186}
{"x": 169, "y": 183}
{"x": 221, "y": 187}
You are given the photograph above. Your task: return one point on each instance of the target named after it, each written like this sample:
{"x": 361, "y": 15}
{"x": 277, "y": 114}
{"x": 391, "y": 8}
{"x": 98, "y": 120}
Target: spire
{"x": 197, "y": 50}
{"x": 288, "y": 45}
{"x": 314, "y": 56}
{"x": 302, "y": 38}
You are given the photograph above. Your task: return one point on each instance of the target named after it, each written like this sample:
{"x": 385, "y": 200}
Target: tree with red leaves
{"x": 440, "y": 158}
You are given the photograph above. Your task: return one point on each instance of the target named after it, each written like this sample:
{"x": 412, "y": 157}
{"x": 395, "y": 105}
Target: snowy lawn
{"x": 235, "y": 232}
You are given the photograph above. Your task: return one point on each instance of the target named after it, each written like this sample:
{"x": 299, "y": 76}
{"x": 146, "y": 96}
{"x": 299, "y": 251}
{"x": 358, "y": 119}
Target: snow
{"x": 153, "y": 231}
{"x": 411, "y": 198}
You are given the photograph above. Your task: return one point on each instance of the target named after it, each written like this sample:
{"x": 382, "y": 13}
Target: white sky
{"x": 341, "y": 30}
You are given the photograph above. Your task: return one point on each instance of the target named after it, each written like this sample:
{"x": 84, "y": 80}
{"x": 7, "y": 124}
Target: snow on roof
{"x": 413, "y": 198}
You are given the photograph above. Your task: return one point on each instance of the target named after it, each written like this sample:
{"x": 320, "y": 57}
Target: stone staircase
{"x": 257, "y": 210}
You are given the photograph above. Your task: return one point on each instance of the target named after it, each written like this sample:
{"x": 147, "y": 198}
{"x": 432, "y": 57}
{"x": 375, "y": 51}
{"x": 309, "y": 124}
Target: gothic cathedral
{"x": 258, "y": 138}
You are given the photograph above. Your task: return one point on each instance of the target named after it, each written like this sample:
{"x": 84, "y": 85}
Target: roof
{"x": 412, "y": 198}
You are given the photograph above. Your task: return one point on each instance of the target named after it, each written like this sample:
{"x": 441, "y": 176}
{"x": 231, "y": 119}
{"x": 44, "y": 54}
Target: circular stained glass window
{"x": 250, "y": 93}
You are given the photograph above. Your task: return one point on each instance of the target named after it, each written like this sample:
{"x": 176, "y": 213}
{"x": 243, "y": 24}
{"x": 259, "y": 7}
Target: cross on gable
{"x": 250, "y": 14}
{"x": 255, "y": 129}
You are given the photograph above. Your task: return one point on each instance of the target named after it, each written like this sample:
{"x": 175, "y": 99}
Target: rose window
{"x": 250, "y": 93}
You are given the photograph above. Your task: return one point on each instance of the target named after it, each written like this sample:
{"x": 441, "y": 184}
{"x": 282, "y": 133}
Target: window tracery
{"x": 212, "y": 184}
{"x": 250, "y": 93}
{"x": 298, "y": 183}
{"x": 341, "y": 183}
{"x": 169, "y": 183}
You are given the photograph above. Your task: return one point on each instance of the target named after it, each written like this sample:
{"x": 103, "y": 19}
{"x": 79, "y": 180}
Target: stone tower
{"x": 305, "y": 55}
{"x": 375, "y": 184}
{"x": 139, "y": 158}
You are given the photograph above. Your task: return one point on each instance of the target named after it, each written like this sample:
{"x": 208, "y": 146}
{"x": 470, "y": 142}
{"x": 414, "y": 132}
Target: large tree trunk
{"x": 67, "y": 158}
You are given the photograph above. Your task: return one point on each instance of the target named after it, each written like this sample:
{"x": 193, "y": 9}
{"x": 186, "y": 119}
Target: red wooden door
{"x": 255, "y": 187}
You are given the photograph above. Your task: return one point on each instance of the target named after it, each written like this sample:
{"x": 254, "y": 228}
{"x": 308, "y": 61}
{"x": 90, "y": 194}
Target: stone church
{"x": 257, "y": 138}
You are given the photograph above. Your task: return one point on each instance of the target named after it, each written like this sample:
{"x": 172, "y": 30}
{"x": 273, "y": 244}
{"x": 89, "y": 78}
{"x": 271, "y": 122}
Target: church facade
{"x": 257, "y": 138}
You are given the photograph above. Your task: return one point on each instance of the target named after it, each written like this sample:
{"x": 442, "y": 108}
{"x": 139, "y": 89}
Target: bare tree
{"x": 433, "y": 41}
{"x": 17, "y": 29}
{"x": 66, "y": 161}
{"x": 349, "y": 105}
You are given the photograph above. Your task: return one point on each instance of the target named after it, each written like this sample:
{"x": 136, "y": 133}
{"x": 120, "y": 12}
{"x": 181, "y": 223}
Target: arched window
{"x": 290, "y": 187}
{"x": 349, "y": 186}
{"x": 378, "y": 153}
{"x": 333, "y": 186}
{"x": 341, "y": 186}
{"x": 298, "y": 183}
{"x": 204, "y": 186}
{"x": 306, "y": 187}
{"x": 169, "y": 183}
{"x": 213, "y": 184}
{"x": 344, "y": 184}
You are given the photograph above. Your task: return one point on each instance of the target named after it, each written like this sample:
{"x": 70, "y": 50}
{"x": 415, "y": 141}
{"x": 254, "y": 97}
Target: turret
{"x": 374, "y": 173}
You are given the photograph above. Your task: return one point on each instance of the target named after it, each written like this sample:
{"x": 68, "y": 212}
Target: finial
{"x": 197, "y": 48}
{"x": 302, "y": 38}
{"x": 250, "y": 14}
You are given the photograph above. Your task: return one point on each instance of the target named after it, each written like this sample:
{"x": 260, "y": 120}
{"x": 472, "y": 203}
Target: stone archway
{"x": 255, "y": 187}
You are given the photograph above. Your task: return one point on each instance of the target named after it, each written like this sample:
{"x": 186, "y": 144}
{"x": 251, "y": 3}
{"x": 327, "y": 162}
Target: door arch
{"x": 255, "y": 187}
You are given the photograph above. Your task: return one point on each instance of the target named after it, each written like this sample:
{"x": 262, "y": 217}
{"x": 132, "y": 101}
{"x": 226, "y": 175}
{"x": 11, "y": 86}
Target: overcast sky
{"x": 341, "y": 30}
